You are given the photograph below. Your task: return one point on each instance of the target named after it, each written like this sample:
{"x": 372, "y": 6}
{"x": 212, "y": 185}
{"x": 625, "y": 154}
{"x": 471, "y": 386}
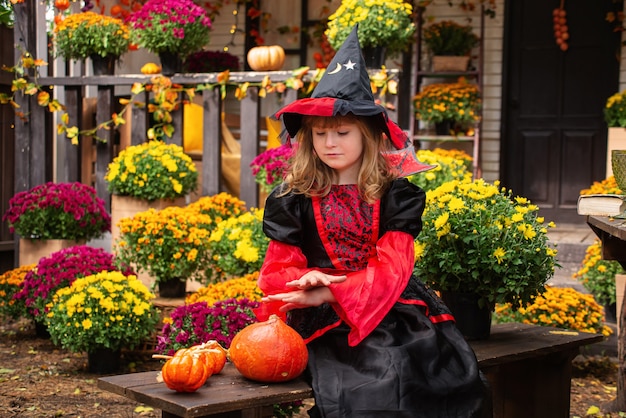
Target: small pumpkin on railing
{"x": 269, "y": 351}
{"x": 266, "y": 58}
{"x": 150, "y": 68}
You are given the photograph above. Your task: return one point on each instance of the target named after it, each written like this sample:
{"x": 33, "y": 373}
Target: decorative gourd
{"x": 215, "y": 354}
{"x": 186, "y": 371}
{"x": 150, "y": 68}
{"x": 266, "y": 58}
{"x": 269, "y": 351}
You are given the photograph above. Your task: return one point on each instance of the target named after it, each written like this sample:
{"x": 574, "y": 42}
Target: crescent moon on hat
{"x": 336, "y": 70}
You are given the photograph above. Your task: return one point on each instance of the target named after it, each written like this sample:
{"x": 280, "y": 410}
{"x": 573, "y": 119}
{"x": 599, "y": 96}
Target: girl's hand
{"x": 302, "y": 298}
{"x": 315, "y": 278}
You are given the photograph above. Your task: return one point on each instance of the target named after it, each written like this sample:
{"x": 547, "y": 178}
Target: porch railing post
{"x": 250, "y": 110}
{"x": 104, "y": 146}
{"x": 211, "y": 141}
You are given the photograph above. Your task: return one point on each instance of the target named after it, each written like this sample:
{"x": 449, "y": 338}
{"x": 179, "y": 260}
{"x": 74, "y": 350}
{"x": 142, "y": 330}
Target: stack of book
{"x": 601, "y": 204}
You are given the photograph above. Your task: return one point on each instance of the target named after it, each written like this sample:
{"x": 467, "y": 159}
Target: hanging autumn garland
{"x": 561, "y": 31}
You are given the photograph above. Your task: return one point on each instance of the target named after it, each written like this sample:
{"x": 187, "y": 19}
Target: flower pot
{"x": 374, "y": 56}
{"x": 41, "y": 330}
{"x": 103, "y": 65}
{"x": 473, "y": 321}
{"x": 618, "y": 164}
{"x": 616, "y": 139}
{"x": 450, "y": 63}
{"x": 31, "y": 250}
{"x": 172, "y": 288}
{"x": 104, "y": 360}
{"x": 171, "y": 63}
{"x": 127, "y": 207}
{"x": 445, "y": 127}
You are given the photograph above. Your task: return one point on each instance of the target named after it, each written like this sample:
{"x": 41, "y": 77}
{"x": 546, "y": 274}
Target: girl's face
{"x": 341, "y": 148}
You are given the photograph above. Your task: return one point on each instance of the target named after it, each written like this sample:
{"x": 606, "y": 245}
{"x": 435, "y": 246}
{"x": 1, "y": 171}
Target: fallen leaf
{"x": 564, "y": 332}
{"x": 143, "y": 408}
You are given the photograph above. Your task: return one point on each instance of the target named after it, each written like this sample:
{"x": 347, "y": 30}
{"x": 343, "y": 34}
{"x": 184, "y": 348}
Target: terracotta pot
{"x": 32, "y": 250}
{"x": 450, "y": 63}
{"x": 616, "y": 139}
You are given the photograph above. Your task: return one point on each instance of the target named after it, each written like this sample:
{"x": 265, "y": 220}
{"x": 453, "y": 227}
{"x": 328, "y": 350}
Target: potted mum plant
{"x": 269, "y": 167}
{"x": 149, "y": 175}
{"x": 92, "y": 35}
{"x": 450, "y": 44}
{"x": 449, "y": 165}
{"x": 479, "y": 243}
{"x": 557, "y": 307}
{"x": 452, "y": 107}
{"x": 56, "y": 271}
{"x": 171, "y": 245}
{"x": 383, "y": 24}
{"x": 52, "y": 216}
{"x": 10, "y": 284}
{"x": 598, "y": 278}
{"x": 615, "y": 117}
{"x": 237, "y": 246}
{"x": 173, "y": 29}
{"x": 211, "y": 62}
{"x": 100, "y": 314}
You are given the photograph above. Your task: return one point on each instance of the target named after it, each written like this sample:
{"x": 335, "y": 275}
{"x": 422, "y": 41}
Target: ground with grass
{"x": 38, "y": 379}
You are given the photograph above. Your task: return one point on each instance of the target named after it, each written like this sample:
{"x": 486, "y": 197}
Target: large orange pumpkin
{"x": 186, "y": 371}
{"x": 269, "y": 351}
{"x": 266, "y": 58}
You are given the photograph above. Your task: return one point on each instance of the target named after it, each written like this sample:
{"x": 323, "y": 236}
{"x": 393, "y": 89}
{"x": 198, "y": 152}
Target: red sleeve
{"x": 368, "y": 295}
{"x": 283, "y": 263}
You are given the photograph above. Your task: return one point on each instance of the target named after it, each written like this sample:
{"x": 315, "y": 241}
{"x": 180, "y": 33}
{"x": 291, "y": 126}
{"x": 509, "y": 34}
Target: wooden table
{"x": 528, "y": 368}
{"x": 612, "y": 233}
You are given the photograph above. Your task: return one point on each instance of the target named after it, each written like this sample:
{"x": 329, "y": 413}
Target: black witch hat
{"x": 345, "y": 88}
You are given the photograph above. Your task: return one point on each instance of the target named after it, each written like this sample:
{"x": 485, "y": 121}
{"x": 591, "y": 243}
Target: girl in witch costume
{"x": 341, "y": 255}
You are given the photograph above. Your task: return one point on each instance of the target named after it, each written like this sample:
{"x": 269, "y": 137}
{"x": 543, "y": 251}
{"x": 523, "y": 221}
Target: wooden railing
{"x": 107, "y": 103}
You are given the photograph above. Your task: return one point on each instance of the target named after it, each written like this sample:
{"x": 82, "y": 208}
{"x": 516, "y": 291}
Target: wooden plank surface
{"x": 227, "y": 391}
{"x": 512, "y": 342}
{"x": 508, "y": 344}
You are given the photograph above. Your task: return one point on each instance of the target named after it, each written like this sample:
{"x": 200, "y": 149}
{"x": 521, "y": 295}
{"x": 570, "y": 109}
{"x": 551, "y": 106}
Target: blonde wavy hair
{"x": 308, "y": 175}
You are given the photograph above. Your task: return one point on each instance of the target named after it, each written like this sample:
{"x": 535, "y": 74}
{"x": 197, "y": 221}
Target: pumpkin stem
{"x": 161, "y": 356}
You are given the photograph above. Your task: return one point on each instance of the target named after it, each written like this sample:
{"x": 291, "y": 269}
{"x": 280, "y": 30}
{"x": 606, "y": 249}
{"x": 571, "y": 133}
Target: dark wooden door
{"x": 554, "y": 134}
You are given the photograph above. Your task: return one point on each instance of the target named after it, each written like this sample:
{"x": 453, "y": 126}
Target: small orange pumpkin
{"x": 215, "y": 355}
{"x": 187, "y": 371}
{"x": 266, "y": 58}
{"x": 269, "y": 351}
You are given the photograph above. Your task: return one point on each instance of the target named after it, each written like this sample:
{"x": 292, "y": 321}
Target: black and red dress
{"x": 388, "y": 346}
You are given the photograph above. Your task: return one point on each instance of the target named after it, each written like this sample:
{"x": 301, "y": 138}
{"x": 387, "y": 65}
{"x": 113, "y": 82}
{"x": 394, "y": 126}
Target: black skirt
{"x": 407, "y": 367}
